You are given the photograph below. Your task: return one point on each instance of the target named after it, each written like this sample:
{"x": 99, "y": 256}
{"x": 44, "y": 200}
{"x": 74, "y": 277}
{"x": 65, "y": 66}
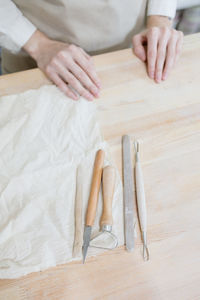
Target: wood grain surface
{"x": 165, "y": 118}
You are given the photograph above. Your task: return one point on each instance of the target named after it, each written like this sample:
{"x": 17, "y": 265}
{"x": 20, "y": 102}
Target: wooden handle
{"x": 109, "y": 176}
{"x": 94, "y": 192}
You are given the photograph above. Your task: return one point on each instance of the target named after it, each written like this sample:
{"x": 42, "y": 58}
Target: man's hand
{"x": 159, "y": 45}
{"x": 66, "y": 65}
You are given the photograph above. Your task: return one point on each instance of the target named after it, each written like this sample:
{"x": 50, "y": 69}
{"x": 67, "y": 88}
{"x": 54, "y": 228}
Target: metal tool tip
{"x": 136, "y": 145}
{"x": 145, "y": 253}
{"x": 145, "y": 248}
{"x": 84, "y": 253}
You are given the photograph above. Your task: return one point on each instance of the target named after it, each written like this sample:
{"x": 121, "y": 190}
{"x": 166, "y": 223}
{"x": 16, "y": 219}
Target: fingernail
{"x": 151, "y": 75}
{"x": 88, "y": 96}
{"x": 164, "y": 76}
{"x": 71, "y": 95}
{"x": 75, "y": 97}
{"x": 95, "y": 91}
{"x": 99, "y": 84}
{"x": 158, "y": 77}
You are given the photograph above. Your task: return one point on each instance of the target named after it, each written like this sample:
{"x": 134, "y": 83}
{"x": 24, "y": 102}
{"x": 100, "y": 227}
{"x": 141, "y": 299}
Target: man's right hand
{"x": 66, "y": 65}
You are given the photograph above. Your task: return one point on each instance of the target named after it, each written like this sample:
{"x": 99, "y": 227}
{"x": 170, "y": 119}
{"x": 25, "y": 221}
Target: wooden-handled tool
{"x": 93, "y": 200}
{"x": 106, "y": 221}
{"x": 109, "y": 176}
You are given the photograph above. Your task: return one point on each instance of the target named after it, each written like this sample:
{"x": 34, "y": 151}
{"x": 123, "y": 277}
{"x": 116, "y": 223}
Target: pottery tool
{"x": 93, "y": 199}
{"x": 106, "y": 236}
{"x": 130, "y": 220}
{"x": 78, "y": 235}
{"x": 141, "y": 202}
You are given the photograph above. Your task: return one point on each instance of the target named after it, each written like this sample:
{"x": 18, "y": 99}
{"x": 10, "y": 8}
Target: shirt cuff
{"x": 162, "y": 7}
{"x": 21, "y": 31}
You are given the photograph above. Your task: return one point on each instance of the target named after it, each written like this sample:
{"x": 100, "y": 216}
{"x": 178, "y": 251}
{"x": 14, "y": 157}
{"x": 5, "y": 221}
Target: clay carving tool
{"x": 93, "y": 199}
{"x": 78, "y": 235}
{"x": 141, "y": 202}
{"x": 106, "y": 236}
{"x": 130, "y": 220}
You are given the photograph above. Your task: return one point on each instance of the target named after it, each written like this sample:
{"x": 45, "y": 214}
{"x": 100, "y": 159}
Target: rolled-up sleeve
{"x": 162, "y": 7}
{"x": 15, "y": 29}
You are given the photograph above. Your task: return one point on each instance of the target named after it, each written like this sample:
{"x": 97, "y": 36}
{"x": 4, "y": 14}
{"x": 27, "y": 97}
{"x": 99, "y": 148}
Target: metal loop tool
{"x": 141, "y": 201}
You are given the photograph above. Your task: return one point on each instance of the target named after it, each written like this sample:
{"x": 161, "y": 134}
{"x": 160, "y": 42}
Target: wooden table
{"x": 166, "y": 118}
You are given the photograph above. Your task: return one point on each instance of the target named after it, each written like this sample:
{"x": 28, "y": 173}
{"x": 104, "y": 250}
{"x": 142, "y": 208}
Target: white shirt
{"x": 16, "y": 30}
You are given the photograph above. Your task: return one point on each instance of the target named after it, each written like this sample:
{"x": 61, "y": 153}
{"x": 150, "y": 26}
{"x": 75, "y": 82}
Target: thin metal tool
{"x": 93, "y": 199}
{"x": 109, "y": 177}
{"x": 141, "y": 202}
{"x": 130, "y": 220}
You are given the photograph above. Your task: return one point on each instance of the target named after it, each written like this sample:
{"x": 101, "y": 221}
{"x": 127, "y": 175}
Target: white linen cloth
{"x": 44, "y": 137}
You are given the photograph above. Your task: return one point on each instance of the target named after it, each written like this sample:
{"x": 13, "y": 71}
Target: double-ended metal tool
{"x": 141, "y": 201}
{"x": 93, "y": 200}
{"x": 129, "y": 196}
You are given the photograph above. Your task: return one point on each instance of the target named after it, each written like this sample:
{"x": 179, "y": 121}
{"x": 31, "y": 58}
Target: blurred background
{"x": 187, "y": 18}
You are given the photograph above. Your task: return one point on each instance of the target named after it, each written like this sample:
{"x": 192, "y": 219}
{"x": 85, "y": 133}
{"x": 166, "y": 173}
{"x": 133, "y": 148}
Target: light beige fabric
{"x": 97, "y": 26}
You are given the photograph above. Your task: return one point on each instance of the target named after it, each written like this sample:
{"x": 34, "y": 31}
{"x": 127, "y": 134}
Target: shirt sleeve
{"x": 15, "y": 29}
{"x": 162, "y": 7}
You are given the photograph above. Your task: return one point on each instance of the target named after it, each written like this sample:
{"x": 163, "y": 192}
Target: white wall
{"x": 187, "y": 3}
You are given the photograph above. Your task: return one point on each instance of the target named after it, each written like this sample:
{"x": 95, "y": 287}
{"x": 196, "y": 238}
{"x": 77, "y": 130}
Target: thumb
{"x": 138, "y": 46}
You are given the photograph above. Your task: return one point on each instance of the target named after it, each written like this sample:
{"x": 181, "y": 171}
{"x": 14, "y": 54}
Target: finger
{"x": 161, "y": 54}
{"x": 84, "y": 79}
{"x": 89, "y": 68}
{"x": 138, "y": 46}
{"x": 63, "y": 86}
{"x": 68, "y": 77}
{"x": 152, "y": 43}
{"x": 170, "y": 57}
{"x": 179, "y": 46}
{"x": 85, "y": 53}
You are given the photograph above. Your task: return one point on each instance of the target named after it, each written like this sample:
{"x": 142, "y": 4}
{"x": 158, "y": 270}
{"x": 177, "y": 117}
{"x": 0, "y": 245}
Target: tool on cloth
{"x": 141, "y": 202}
{"x": 93, "y": 199}
{"x": 78, "y": 235}
{"x": 106, "y": 236}
{"x": 129, "y": 194}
